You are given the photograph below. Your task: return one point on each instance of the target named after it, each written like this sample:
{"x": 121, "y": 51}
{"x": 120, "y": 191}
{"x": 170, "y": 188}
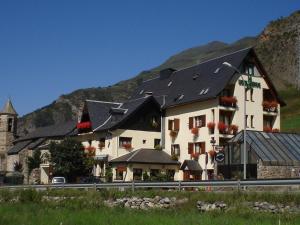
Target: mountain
{"x": 278, "y": 47}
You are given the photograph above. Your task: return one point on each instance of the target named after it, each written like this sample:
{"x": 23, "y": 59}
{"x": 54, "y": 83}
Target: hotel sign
{"x": 249, "y": 84}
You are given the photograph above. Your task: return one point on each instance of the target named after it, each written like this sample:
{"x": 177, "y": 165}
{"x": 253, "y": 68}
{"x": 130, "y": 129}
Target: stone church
{"x": 8, "y": 132}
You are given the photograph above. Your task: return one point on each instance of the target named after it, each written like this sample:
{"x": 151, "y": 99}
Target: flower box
{"x": 195, "y": 155}
{"x": 127, "y": 146}
{"x": 275, "y": 130}
{"x": 233, "y": 129}
{"x": 90, "y": 150}
{"x": 195, "y": 131}
{"x": 211, "y": 125}
{"x": 228, "y": 101}
{"x": 173, "y": 133}
{"x": 267, "y": 129}
{"x": 223, "y": 128}
{"x": 84, "y": 125}
{"x": 270, "y": 106}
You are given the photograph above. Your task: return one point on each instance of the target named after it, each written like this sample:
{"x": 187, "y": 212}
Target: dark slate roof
{"x": 36, "y": 143}
{"x": 191, "y": 165}
{"x": 99, "y": 111}
{"x": 146, "y": 156}
{"x": 190, "y": 82}
{"x": 273, "y": 148}
{"x": 59, "y": 130}
{"x": 18, "y": 147}
{"x": 115, "y": 117}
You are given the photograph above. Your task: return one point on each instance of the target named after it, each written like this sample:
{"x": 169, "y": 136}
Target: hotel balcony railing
{"x": 231, "y": 129}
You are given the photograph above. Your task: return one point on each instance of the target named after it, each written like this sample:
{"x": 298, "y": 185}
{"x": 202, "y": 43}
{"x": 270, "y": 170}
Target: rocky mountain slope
{"x": 278, "y": 47}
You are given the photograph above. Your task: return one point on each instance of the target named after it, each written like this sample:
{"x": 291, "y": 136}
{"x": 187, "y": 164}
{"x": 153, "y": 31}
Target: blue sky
{"x": 50, "y": 48}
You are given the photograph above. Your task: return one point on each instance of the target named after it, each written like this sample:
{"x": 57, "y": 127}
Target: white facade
{"x": 214, "y": 112}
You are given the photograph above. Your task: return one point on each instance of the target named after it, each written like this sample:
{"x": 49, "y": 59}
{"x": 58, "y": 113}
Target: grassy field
{"x": 34, "y": 214}
{"x": 290, "y": 114}
{"x": 86, "y": 207}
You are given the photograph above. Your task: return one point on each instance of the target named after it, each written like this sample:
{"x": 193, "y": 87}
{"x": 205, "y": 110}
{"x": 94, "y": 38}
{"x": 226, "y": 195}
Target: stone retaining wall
{"x": 268, "y": 172}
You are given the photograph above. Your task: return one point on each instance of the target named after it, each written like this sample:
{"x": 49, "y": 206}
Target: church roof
{"x": 9, "y": 108}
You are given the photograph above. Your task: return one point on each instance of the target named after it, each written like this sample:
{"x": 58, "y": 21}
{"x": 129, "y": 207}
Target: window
{"x": 246, "y": 120}
{"x": 249, "y": 69}
{"x": 198, "y": 121}
{"x": 198, "y": 147}
{"x": 246, "y": 94}
{"x": 120, "y": 172}
{"x": 10, "y": 125}
{"x": 175, "y": 149}
{"x": 251, "y": 95}
{"x": 156, "y": 142}
{"x": 125, "y": 141}
{"x": 252, "y": 121}
{"x": 173, "y": 125}
{"x": 137, "y": 174}
{"x": 170, "y": 175}
{"x": 154, "y": 173}
{"x": 102, "y": 143}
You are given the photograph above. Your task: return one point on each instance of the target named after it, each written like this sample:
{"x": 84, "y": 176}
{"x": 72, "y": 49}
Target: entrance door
{"x": 186, "y": 175}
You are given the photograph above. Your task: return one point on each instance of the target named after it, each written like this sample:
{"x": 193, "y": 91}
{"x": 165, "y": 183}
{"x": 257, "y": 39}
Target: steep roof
{"x": 9, "y": 108}
{"x": 272, "y": 148}
{"x": 104, "y": 116}
{"x": 195, "y": 83}
{"x": 58, "y": 130}
{"x": 145, "y": 156}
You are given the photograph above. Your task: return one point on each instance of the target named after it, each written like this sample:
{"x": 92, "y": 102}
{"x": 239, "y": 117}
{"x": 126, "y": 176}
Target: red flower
{"x": 91, "y": 151}
{"x": 173, "y": 133}
{"x": 212, "y": 153}
{"x": 267, "y": 129}
{"x": 222, "y": 127}
{"x": 84, "y": 125}
{"x": 195, "y": 131}
{"x": 195, "y": 155}
{"x": 211, "y": 125}
{"x": 233, "y": 128}
{"x": 275, "y": 130}
{"x": 127, "y": 146}
{"x": 228, "y": 101}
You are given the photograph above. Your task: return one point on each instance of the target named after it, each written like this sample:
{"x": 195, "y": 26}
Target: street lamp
{"x": 246, "y": 86}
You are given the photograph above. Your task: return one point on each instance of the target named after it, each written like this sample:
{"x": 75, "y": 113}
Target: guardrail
{"x": 179, "y": 185}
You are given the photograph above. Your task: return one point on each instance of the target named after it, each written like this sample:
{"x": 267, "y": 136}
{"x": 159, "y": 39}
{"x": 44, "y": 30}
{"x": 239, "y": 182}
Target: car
{"x": 58, "y": 180}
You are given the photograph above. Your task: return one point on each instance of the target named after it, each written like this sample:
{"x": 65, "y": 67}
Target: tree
{"x": 68, "y": 159}
{"x": 18, "y": 167}
{"x": 34, "y": 161}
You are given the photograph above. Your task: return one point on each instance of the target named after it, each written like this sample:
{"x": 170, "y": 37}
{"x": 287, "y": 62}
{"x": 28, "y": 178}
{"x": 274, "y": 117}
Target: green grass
{"x": 290, "y": 114}
{"x": 35, "y": 214}
{"x": 87, "y": 208}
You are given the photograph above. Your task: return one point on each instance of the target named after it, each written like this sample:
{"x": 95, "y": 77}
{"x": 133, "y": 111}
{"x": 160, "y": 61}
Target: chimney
{"x": 166, "y": 73}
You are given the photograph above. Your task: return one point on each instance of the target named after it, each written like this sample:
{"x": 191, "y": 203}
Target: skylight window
{"x": 181, "y": 97}
{"x": 170, "y": 83}
{"x": 217, "y": 70}
{"x": 202, "y": 92}
{"x": 141, "y": 92}
{"x": 206, "y": 90}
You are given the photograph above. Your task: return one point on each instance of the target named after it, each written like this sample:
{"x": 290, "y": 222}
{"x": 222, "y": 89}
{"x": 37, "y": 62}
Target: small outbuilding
{"x": 269, "y": 155}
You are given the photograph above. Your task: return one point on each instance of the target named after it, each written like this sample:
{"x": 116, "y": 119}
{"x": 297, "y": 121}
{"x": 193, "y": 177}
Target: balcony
{"x": 227, "y": 130}
{"x": 228, "y": 102}
{"x": 270, "y": 107}
{"x": 269, "y": 129}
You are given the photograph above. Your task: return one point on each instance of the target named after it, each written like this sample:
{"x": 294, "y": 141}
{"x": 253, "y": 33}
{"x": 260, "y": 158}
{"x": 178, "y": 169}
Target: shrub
{"x": 195, "y": 131}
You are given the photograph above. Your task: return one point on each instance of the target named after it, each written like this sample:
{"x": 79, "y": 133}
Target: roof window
{"x": 141, "y": 92}
{"x": 217, "y": 70}
{"x": 195, "y": 76}
{"x": 170, "y": 83}
{"x": 179, "y": 97}
{"x": 202, "y": 92}
{"x": 206, "y": 90}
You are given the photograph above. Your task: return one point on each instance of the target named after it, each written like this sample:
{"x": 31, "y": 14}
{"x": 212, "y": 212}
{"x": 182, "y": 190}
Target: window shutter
{"x": 203, "y": 120}
{"x": 176, "y": 124}
{"x": 203, "y": 148}
{"x": 191, "y": 120}
{"x": 170, "y": 124}
{"x": 191, "y": 148}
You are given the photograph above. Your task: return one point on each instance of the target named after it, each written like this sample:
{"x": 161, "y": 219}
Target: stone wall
{"x": 271, "y": 172}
